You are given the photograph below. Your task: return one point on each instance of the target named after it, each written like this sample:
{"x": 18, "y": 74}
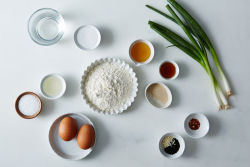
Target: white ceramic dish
{"x": 181, "y": 149}
{"x": 129, "y": 70}
{"x": 204, "y": 125}
{"x": 63, "y": 87}
{"x": 176, "y": 68}
{"x": 152, "y": 101}
{"x": 151, "y": 49}
{"x": 68, "y": 149}
{"x": 87, "y": 37}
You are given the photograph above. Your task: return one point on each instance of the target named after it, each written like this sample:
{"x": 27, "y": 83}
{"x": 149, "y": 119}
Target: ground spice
{"x": 159, "y": 93}
{"x": 194, "y": 124}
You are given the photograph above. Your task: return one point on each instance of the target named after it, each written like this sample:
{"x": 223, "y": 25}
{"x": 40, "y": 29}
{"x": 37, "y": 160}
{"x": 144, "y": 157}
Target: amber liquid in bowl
{"x": 140, "y": 52}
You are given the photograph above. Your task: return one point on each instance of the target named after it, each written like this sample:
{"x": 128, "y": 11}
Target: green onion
{"x": 195, "y": 48}
{"x": 160, "y": 12}
{"x": 209, "y": 45}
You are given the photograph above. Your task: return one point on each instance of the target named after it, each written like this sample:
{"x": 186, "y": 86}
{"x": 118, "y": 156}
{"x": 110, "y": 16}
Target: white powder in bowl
{"x": 108, "y": 86}
{"x": 87, "y": 37}
{"x": 29, "y": 105}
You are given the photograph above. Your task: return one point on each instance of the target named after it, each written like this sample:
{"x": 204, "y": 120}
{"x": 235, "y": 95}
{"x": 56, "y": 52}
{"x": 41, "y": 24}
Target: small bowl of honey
{"x": 169, "y": 70}
{"x": 141, "y": 52}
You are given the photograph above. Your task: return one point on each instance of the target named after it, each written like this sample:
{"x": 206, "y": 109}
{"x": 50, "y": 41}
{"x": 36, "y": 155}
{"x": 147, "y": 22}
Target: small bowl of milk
{"x": 53, "y": 86}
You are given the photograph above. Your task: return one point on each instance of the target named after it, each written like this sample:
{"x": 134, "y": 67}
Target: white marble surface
{"x": 130, "y": 139}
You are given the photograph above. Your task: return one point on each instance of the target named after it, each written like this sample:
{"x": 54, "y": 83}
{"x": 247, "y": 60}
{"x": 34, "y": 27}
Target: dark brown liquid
{"x": 167, "y": 70}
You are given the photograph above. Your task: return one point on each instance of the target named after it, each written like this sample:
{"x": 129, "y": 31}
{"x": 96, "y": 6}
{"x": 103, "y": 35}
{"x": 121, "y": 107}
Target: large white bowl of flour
{"x": 109, "y": 86}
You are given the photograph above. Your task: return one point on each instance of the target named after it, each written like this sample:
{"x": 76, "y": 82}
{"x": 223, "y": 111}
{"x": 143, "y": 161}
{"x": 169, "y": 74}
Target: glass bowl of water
{"x": 46, "y": 26}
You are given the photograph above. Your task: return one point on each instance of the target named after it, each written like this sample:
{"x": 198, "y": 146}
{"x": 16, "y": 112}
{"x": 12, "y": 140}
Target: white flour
{"x": 108, "y": 86}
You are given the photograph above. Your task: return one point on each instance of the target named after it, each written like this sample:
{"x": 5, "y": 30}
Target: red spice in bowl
{"x": 194, "y": 124}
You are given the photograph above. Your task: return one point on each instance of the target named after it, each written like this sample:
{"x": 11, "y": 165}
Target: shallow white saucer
{"x": 68, "y": 149}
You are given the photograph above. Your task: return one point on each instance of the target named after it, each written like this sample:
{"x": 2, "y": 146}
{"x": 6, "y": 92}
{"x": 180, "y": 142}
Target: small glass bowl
{"x": 46, "y": 26}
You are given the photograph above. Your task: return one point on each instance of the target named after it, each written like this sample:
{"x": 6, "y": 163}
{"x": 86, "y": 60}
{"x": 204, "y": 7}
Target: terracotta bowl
{"x": 20, "y": 113}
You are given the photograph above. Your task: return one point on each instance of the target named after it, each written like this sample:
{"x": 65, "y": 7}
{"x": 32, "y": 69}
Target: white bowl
{"x": 69, "y": 149}
{"x": 179, "y": 152}
{"x": 63, "y": 87}
{"x": 176, "y": 68}
{"x": 150, "y": 45}
{"x": 204, "y": 125}
{"x": 133, "y": 92}
{"x": 153, "y": 102}
{"x": 80, "y": 39}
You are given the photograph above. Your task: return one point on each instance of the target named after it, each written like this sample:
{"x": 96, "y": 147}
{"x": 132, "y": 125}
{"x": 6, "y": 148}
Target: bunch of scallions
{"x": 196, "y": 47}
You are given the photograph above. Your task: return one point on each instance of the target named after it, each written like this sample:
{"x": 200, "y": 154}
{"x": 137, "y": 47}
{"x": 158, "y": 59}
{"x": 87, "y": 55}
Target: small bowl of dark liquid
{"x": 169, "y": 70}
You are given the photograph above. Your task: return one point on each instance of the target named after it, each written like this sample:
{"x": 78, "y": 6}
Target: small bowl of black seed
{"x": 172, "y": 145}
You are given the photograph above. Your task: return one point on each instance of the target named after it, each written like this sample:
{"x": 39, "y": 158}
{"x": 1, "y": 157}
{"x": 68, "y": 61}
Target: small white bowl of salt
{"x": 28, "y": 105}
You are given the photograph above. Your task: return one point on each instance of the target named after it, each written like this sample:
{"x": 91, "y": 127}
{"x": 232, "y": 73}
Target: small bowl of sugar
{"x": 28, "y": 105}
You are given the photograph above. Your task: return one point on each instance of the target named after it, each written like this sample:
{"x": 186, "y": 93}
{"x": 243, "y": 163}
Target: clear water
{"x": 48, "y": 28}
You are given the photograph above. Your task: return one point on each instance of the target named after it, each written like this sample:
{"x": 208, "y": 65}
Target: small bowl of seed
{"x": 172, "y": 145}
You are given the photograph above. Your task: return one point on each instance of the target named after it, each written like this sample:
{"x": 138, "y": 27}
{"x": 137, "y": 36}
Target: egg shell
{"x": 67, "y": 128}
{"x": 86, "y": 136}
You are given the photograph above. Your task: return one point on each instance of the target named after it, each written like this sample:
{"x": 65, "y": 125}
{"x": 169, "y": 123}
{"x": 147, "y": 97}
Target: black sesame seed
{"x": 173, "y": 148}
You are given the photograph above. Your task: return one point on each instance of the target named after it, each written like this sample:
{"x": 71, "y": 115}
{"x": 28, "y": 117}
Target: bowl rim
{"x": 64, "y": 85}
{"x": 18, "y": 110}
{"x": 176, "y": 67}
{"x": 134, "y": 89}
{"x": 203, "y": 133}
{"x": 170, "y": 99}
{"x": 181, "y": 150}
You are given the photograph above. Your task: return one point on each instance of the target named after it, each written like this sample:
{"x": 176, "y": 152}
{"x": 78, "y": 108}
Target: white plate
{"x": 181, "y": 149}
{"x": 129, "y": 70}
{"x": 204, "y": 125}
{"x": 68, "y": 149}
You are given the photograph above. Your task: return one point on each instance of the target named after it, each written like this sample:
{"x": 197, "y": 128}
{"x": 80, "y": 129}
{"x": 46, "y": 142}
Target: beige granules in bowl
{"x": 158, "y": 93}
{"x": 108, "y": 86}
{"x": 167, "y": 141}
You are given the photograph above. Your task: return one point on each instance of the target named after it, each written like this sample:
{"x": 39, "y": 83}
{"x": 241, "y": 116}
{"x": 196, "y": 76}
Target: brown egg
{"x": 67, "y": 128}
{"x": 86, "y": 136}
